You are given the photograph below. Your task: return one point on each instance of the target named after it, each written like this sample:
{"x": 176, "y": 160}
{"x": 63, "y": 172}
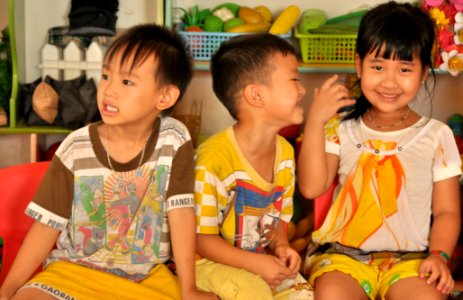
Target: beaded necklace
{"x": 372, "y": 121}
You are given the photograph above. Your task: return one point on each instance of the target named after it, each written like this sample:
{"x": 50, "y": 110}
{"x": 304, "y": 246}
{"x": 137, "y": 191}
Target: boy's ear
{"x": 358, "y": 65}
{"x": 168, "y": 98}
{"x": 253, "y": 95}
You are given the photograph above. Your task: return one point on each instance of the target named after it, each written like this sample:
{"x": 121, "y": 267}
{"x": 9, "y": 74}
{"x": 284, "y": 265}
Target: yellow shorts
{"x": 238, "y": 284}
{"x": 66, "y": 280}
{"x": 375, "y": 278}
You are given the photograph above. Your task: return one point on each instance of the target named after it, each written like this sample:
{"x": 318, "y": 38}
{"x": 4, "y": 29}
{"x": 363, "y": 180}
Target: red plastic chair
{"x": 18, "y": 185}
{"x": 322, "y": 204}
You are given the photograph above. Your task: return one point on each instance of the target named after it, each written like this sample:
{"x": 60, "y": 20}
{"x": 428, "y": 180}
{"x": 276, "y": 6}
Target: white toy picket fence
{"x": 72, "y": 61}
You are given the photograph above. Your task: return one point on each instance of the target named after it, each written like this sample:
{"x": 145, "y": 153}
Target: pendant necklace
{"x": 108, "y": 153}
{"x": 372, "y": 121}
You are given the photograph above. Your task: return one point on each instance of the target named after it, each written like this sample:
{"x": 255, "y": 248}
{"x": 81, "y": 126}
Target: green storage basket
{"x": 327, "y": 48}
{"x": 203, "y": 44}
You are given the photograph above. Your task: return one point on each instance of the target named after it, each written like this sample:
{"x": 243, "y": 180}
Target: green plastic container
{"x": 327, "y": 48}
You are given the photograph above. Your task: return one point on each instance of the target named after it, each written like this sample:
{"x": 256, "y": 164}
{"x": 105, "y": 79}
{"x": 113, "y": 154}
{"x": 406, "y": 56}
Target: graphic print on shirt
{"x": 89, "y": 191}
{"x": 371, "y": 208}
{"x": 256, "y": 215}
{"x": 119, "y": 221}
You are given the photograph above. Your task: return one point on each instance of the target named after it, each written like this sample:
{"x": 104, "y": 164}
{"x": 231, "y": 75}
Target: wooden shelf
{"x": 326, "y": 68}
{"x": 308, "y": 68}
{"x": 303, "y": 67}
{"x": 34, "y": 129}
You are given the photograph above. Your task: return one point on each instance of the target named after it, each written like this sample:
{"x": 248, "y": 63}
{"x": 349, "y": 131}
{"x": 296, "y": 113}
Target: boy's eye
{"x": 377, "y": 68}
{"x": 127, "y": 82}
{"x": 104, "y": 76}
{"x": 297, "y": 79}
{"x": 405, "y": 70}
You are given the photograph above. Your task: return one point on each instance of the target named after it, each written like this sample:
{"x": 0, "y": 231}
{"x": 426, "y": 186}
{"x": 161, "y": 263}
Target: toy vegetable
{"x": 194, "y": 20}
{"x": 224, "y": 14}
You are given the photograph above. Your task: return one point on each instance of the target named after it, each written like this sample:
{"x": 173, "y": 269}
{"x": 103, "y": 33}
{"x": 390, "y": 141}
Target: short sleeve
{"x": 181, "y": 183}
{"x": 207, "y": 200}
{"x": 331, "y": 135}
{"x": 286, "y": 177}
{"x": 287, "y": 207}
{"x": 447, "y": 161}
{"x": 52, "y": 204}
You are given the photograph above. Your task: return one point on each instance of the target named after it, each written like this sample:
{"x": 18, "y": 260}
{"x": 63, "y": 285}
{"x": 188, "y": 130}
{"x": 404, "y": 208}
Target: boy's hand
{"x": 290, "y": 258}
{"x": 327, "y": 99}
{"x": 434, "y": 270}
{"x": 272, "y": 270}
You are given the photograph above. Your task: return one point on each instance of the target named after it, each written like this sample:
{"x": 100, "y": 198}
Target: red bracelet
{"x": 441, "y": 253}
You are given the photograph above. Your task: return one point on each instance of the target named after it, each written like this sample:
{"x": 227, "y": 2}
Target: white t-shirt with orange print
{"x": 383, "y": 201}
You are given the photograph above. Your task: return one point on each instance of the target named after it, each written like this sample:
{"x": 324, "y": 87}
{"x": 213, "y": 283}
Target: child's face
{"x": 283, "y": 95}
{"x": 389, "y": 84}
{"x": 128, "y": 97}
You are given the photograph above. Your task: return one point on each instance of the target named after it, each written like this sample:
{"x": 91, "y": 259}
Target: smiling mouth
{"x": 388, "y": 96}
{"x": 111, "y": 108}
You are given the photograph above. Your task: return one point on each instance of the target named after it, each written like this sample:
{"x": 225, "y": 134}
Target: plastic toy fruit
{"x": 232, "y": 23}
{"x": 311, "y": 18}
{"x": 251, "y": 28}
{"x": 285, "y": 20}
{"x": 233, "y": 7}
{"x": 250, "y": 16}
{"x": 213, "y": 23}
{"x": 265, "y": 12}
{"x": 195, "y": 17}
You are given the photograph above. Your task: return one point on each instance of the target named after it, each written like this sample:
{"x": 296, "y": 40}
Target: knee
{"x": 231, "y": 283}
{"x": 246, "y": 286}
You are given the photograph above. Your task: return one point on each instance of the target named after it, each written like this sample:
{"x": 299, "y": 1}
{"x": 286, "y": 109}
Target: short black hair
{"x": 174, "y": 63}
{"x": 399, "y": 31}
{"x": 242, "y": 60}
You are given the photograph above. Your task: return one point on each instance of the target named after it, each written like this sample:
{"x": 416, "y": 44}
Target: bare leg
{"x": 413, "y": 288}
{"x": 32, "y": 293}
{"x": 337, "y": 285}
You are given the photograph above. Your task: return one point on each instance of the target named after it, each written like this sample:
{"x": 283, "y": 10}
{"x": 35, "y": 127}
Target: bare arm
{"x": 280, "y": 246}
{"x": 317, "y": 169}
{"x": 182, "y": 229}
{"x": 446, "y": 213}
{"x": 38, "y": 243}
{"x": 444, "y": 232}
{"x": 269, "y": 267}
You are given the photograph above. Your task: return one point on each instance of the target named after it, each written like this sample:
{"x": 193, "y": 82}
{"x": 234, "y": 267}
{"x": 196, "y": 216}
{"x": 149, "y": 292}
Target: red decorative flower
{"x": 448, "y": 19}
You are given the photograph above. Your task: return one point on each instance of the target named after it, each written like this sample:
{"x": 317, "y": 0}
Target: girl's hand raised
{"x": 328, "y": 99}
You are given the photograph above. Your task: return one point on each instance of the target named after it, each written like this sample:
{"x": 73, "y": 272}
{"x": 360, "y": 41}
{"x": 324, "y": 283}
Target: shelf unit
{"x": 28, "y": 22}
{"x": 303, "y": 67}
{"x": 18, "y": 126}
{"x": 148, "y": 10}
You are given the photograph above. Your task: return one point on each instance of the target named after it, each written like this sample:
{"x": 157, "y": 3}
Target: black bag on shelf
{"x": 77, "y": 100}
{"x": 77, "y": 104}
{"x": 93, "y": 17}
{"x": 26, "y": 111}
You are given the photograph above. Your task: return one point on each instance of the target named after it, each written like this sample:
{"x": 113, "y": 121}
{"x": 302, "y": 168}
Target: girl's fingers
{"x": 330, "y": 81}
{"x": 446, "y": 283}
{"x": 424, "y": 270}
{"x": 432, "y": 277}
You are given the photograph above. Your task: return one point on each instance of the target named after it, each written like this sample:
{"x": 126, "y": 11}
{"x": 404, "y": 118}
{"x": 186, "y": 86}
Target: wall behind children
{"x": 448, "y": 98}
{"x": 37, "y": 16}
{"x": 32, "y": 20}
